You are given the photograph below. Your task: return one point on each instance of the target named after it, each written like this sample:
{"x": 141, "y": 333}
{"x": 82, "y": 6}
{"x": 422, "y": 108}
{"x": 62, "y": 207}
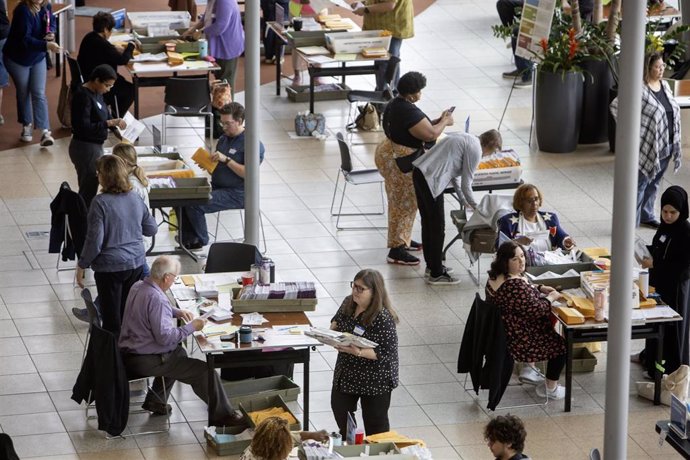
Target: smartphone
{"x": 451, "y": 109}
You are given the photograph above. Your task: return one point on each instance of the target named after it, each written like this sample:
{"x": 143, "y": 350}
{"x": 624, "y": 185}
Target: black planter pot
{"x": 558, "y": 111}
{"x": 595, "y": 108}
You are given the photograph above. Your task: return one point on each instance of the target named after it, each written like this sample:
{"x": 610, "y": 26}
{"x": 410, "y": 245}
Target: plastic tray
{"x": 266, "y": 402}
{"x": 187, "y": 188}
{"x": 271, "y": 305}
{"x": 227, "y": 448}
{"x": 278, "y": 385}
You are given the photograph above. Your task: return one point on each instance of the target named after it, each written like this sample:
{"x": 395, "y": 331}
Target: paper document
{"x": 133, "y": 129}
{"x": 320, "y": 59}
{"x": 181, "y": 292}
{"x": 345, "y": 57}
{"x": 211, "y": 330}
{"x": 342, "y": 4}
{"x": 641, "y": 251}
{"x": 203, "y": 158}
{"x": 150, "y": 57}
{"x": 253, "y": 319}
{"x": 314, "y": 50}
{"x": 339, "y": 339}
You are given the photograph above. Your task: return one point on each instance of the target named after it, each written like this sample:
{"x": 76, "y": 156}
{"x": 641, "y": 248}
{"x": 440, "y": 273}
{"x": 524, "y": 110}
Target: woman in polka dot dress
{"x": 368, "y": 375}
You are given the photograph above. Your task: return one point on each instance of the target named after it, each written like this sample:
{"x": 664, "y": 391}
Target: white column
{"x": 624, "y": 206}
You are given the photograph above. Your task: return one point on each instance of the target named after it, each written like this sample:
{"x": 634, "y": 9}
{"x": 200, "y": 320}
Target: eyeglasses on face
{"x": 532, "y": 200}
{"x": 229, "y": 123}
{"x": 357, "y": 288}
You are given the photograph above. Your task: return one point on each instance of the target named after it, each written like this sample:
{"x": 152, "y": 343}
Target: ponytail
{"x": 129, "y": 154}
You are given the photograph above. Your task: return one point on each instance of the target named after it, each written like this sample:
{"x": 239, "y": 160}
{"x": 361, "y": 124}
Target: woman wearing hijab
{"x": 669, "y": 273}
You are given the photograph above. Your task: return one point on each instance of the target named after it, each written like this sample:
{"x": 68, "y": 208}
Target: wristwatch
{"x": 227, "y": 160}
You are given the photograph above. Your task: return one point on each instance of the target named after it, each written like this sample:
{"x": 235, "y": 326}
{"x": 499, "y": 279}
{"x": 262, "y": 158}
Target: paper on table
{"x": 342, "y": 4}
{"x": 314, "y": 50}
{"x": 320, "y": 59}
{"x": 150, "y": 57}
{"x": 133, "y": 130}
{"x": 253, "y": 319}
{"x": 345, "y": 56}
{"x": 181, "y": 292}
{"x": 211, "y": 329}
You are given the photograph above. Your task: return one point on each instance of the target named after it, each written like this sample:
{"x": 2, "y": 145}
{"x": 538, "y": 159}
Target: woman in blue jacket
{"x": 32, "y": 35}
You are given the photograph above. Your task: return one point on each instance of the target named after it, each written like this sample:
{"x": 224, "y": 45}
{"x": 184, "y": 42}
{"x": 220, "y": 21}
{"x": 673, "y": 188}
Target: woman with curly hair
{"x": 273, "y": 440}
{"x": 505, "y": 435}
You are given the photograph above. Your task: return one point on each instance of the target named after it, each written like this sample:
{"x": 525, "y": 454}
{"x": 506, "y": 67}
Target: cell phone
{"x": 228, "y": 338}
{"x": 451, "y": 109}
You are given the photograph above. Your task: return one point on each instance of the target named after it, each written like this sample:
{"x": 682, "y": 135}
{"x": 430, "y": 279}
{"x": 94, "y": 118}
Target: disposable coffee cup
{"x": 297, "y": 24}
{"x": 247, "y": 279}
{"x": 170, "y": 46}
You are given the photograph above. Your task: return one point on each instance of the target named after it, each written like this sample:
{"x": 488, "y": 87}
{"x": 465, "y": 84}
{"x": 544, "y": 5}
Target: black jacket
{"x": 67, "y": 203}
{"x": 4, "y": 21}
{"x": 484, "y": 351}
{"x": 104, "y": 379}
{"x": 95, "y": 50}
{"x": 89, "y": 116}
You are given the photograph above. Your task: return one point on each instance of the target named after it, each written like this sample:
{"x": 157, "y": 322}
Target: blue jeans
{"x": 194, "y": 229}
{"x": 4, "y": 76}
{"x": 394, "y": 50}
{"x": 32, "y": 104}
{"x": 647, "y": 189}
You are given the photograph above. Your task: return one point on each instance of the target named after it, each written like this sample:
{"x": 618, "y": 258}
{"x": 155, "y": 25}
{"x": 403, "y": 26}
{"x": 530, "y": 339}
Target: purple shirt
{"x": 225, "y": 35}
{"x": 148, "y": 326}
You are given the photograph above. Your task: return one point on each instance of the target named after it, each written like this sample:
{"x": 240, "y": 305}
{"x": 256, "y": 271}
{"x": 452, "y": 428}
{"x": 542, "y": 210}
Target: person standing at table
{"x": 150, "y": 345}
{"x": 669, "y": 273}
{"x": 90, "y": 124}
{"x": 453, "y": 160}
{"x": 114, "y": 246}
{"x": 367, "y": 375}
{"x": 396, "y": 16}
{"x": 95, "y": 49}
{"x": 31, "y": 36}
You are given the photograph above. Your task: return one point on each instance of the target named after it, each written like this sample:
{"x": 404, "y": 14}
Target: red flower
{"x": 544, "y": 43}
{"x": 572, "y": 44}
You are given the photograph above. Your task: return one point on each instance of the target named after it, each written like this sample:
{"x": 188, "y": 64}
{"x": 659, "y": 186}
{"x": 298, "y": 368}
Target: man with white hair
{"x": 150, "y": 345}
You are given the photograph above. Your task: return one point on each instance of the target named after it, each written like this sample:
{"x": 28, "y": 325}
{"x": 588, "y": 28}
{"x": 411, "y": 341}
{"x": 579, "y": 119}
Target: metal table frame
{"x": 178, "y": 205}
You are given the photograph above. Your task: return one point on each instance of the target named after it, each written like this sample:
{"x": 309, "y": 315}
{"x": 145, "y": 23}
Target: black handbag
{"x": 405, "y": 163}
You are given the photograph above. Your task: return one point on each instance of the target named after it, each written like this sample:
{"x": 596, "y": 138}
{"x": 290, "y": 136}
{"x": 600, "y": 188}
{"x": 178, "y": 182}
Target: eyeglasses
{"x": 532, "y": 200}
{"x": 357, "y": 288}
{"x": 229, "y": 123}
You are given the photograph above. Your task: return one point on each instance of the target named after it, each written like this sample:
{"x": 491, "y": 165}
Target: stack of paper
{"x": 253, "y": 319}
{"x": 339, "y": 339}
{"x": 133, "y": 129}
{"x": 203, "y": 159}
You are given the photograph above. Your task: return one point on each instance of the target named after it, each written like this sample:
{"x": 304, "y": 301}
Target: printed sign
{"x": 535, "y": 24}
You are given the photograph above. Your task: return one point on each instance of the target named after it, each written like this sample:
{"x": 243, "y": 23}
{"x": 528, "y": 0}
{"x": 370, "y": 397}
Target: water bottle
{"x": 203, "y": 48}
{"x": 643, "y": 282}
{"x": 265, "y": 271}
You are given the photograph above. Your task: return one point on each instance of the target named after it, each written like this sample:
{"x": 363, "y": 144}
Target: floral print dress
{"x": 527, "y": 319}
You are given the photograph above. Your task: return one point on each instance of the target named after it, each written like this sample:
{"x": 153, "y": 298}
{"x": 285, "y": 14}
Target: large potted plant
{"x": 558, "y": 101}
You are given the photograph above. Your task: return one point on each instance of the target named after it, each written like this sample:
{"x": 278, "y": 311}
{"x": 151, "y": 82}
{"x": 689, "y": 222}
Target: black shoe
{"x": 81, "y": 314}
{"x": 651, "y": 223}
{"x": 196, "y": 245}
{"x": 157, "y": 408}
{"x": 236, "y": 420}
{"x": 414, "y": 246}
{"x": 512, "y": 74}
{"x": 401, "y": 257}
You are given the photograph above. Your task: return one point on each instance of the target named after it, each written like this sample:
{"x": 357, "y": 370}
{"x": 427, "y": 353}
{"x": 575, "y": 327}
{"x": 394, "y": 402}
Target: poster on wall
{"x": 535, "y": 24}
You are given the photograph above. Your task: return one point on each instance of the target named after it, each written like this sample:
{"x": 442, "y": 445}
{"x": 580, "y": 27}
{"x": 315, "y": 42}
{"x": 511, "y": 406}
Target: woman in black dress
{"x": 669, "y": 273}
{"x": 366, "y": 374}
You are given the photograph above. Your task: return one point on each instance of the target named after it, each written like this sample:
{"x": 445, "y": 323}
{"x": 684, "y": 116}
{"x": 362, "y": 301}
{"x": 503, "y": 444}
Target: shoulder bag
{"x": 405, "y": 163}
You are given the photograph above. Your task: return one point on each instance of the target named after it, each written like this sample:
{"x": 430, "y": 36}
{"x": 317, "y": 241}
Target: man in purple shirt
{"x": 150, "y": 345}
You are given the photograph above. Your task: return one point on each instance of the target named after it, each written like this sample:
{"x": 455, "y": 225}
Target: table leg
{"x": 135, "y": 81}
{"x": 659, "y": 358}
{"x": 306, "y": 390}
{"x": 568, "y": 369}
{"x": 211, "y": 362}
{"x": 184, "y": 249}
{"x": 279, "y": 66}
{"x": 342, "y": 78}
{"x": 311, "y": 91}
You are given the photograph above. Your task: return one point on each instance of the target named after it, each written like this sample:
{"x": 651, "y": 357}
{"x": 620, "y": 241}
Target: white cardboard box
{"x": 355, "y": 42}
{"x": 493, "y": 176}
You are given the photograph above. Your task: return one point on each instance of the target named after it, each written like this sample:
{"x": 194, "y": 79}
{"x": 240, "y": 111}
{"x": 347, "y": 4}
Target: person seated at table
{"x": 368, "y": 375}
{"x": 95, "y": 49}
{"x": 505, "y": 435}
{"x": 227, "y": 180}
{"x": 526, "y": 314}
{"x": 150, "y": 345}
{"x": 529, "y": 220}
{"x": 273, "y": 440}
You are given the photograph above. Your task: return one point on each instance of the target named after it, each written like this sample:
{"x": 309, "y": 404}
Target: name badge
{"x": 232, "y": 151}
{"x": 359, "y": 330}
{"x": 662, "y": 238}
{"x": 100, "y": 107}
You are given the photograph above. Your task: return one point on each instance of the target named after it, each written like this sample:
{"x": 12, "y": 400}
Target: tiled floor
{"x": 41, "y": 343}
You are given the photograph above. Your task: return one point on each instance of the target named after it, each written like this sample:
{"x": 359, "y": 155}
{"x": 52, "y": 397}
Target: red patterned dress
{"x": 527, "y": 319}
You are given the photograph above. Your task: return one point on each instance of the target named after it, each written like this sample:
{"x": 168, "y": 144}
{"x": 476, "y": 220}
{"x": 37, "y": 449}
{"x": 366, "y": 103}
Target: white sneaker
{"x": 47, "y": 138}
{"x": 27, "y": 133}
{"x": 556, "y": 394}
{"x": 531, "y": 376}
{"x": 2, "y": 120}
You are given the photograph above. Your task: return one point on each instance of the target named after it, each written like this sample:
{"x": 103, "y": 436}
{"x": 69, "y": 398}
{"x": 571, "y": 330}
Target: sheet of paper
{"x": 314, "y": 50}
{"x": 253, "y": 319}
{"x": 320, "y": 60}
{"x": 149, "y": 57}
{"x": 342, "y": 4}
{"x": 133, "y": 129}
{"x": 181, "y": 292}
{"x": 212, "y": 330}
{"x": 345, "y": 56}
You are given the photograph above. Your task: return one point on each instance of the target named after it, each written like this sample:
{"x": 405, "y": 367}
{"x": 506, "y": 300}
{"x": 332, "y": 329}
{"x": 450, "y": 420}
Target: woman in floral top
{"x": 526, "y": 315}
{"x": 366, "y": 374}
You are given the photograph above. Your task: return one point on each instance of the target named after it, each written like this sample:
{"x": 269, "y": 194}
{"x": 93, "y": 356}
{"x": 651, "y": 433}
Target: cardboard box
{"x": 266, "y": 402}
{"x": 355, "y": 42}
{"x": 278, "y": 385}
{"x": 583, "y": 360}
{"x": 227, "y": 448}
{"x": 493, "y": 176}
{"x": 271, "y": 305}
{"x": 301, "y": 94}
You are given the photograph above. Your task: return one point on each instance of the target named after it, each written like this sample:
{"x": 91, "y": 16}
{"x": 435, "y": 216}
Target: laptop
{"x": 679, "y": 417}
{"x": 119, "y": 16}
{"x": 158, "y": 147}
